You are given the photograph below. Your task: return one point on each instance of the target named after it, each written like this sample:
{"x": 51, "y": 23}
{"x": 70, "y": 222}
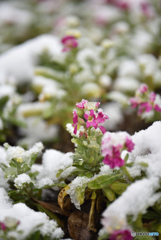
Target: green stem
{"x": 127, "y": 173}
{"x": 91, "y": 216}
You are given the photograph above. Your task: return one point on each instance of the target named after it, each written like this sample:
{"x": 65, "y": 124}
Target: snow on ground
{"x": 20, "y": 61}
{"x": 53, "y": 162}
{"x": 28, "y": 220}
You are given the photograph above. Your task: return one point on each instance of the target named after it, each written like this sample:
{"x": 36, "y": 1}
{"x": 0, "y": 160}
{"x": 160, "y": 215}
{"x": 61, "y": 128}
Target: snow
{"x": 124, "y": 84}
{"x": 10, "y": 14}
{"x": 105, "y": 81}
{"x": 78, "y": 182}
{"x": 29, "y": 109}
{"x": 26, "y": 54}
{"x": 118, "y": 97}
{"x": 33, "y": 134}
{"x": 91, "y": 90}
{"x": 53, "y": 161}
{"x": 142, "y": 193}
{"x": 5, "y": 202}
{"x": 20, "y": 154}
{"x": 6, "y": 90}
{"x": 128, "y": 67}
{"x": 30, "y": 221}
{"x": 21, "y": 180}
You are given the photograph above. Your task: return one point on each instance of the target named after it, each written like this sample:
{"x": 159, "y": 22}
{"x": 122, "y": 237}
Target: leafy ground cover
{"x": 80, "y": 111}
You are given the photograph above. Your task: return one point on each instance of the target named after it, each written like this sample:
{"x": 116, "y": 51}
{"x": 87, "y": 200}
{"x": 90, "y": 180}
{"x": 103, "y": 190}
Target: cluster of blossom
{"x": 112, "y": 145}
{"x": 92, "y": 115}
{"x": 69, "y": 43}
{"x": 144, "y": 100}
{"x": 126, "y": 5}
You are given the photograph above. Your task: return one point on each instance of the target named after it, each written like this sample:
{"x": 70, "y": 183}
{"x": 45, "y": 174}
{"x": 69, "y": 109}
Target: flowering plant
{"x": 146, "y": 101}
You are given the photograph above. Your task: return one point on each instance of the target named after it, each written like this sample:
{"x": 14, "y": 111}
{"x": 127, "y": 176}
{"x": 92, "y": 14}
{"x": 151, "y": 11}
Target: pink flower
{"x": 143, "y": 88}
{"x": 94, "y": 119}
{"x": 75, "y": 121}
{"x": 103, "y": 130}
{"x": 129, "y": 144}
{"x": 82, "y": 104}
{"x": 3, "y": 226}
{"x": 157, "y": 108}
{"x": 101, "y": 116}
{"x": 112, "y": 145}
{"x": 123, "y": 5}
{"x": 152, "y": 97}
{"x": 134, "y": 102}
{"x": 144, "y": 107}
{"x": 69, "y": 42}
{"x": 121, "y": 235}
{"x": 91, "y": 119}
{"x": 145, "y": 7}
{"x": 114, "y": 159}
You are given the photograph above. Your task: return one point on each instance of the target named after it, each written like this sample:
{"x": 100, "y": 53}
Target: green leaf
{"x": 129, "y": 164}
{"x": 80, "y": 193}
{"x": 86, "y": 174}
{"x": 3, "y": 102}
{"x": 93, "y": 195}
{"x": 109, "y": 193}
{"x": 143, "y": 164}
{"x": 10, "y": 172}
{"x": 119, "y": 187}
{"x": 3, "y": 166}
{"x": 24, "y": 168}
{"x": 103, "y": 181}
{"x": 17, "y": 122}
{"x": 151, "y": 215}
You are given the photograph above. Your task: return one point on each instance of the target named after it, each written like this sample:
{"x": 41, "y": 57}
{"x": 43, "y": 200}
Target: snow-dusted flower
{"x": 69, "y": 42}
{"x": 121, "y": 235}
{"x": 94, "y": 119}
{"x": 84, "y": 104}
{"x": 112, "y": 145}
{"x": 93, "y": 116}
{"x": 144, "y": 100}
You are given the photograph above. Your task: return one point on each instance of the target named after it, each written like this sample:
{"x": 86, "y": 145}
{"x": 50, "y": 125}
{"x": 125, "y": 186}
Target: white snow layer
{"x": 53, "y": 162}
{"x": 22, "y": 179}
{"x": 142, "y": 193}
{"x": 29, "y": 222}
{"x": 21, "y": 60}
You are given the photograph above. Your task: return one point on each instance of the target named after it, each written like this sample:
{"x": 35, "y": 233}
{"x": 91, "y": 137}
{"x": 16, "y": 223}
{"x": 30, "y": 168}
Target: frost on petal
{"x": 82, "y": 104}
